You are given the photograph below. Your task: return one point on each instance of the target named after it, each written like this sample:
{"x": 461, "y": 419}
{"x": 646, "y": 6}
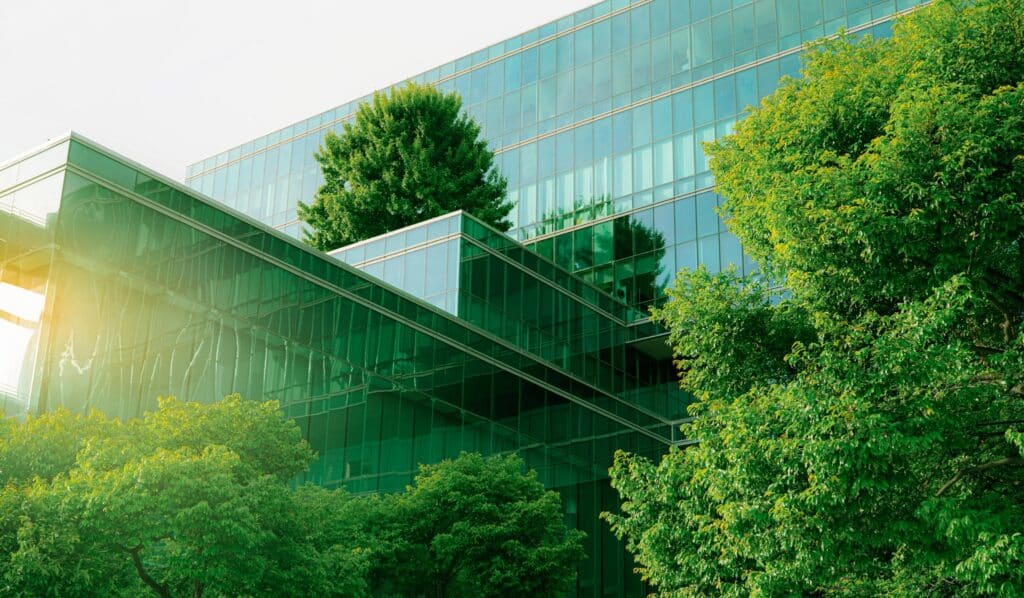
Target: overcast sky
{"x": 169, "y": 82}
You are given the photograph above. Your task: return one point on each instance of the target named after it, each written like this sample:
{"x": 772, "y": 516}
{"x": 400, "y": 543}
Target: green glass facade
{"x": 121, "y": 286}
{"x": 491, "y": 282}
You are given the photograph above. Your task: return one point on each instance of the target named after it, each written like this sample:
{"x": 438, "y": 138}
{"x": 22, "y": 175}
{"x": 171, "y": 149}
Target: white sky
{"x": 169, "y": 82}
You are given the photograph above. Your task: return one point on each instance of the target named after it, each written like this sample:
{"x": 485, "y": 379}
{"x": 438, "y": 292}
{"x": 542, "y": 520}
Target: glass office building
{"x": 597, "y": 120}
{"x": 118, "y": 285}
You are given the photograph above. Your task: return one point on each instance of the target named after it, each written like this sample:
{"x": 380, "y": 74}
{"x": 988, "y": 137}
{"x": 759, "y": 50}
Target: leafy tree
{"x": 475, "y": 526}
{"x": 191, "y": 499}
{"x": 860, "y": 414}
{"x": 195, "y": 499}
{"x": 409, "y": 156}
{"x": 41, "y": 549}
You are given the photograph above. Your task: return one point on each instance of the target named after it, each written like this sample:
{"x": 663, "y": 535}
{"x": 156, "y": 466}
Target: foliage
{"x": 860, "y": 408}
{"x": 475, "y": 526}
{"x": 196, "y": 499}
{"x": 409, "y": 156}
{"x": 190, "y": 499}
{"x": 743, "y": 336}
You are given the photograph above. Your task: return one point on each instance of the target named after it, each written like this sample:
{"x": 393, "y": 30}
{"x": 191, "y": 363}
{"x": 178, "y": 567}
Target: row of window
{"x": 504, "y": 299}
{"x": 619, "y": 158}
{"x": 635, "y": 257}
{"x": 274, "y": 181}
{"x": 301, "y": 323}
{"x": 636, "y": 48}
{"x": 648, "y": 43}
{"x": 680, "y": 112}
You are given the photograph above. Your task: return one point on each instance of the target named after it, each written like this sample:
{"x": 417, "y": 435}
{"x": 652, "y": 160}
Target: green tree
{"x": 190, "y": 499}
{"x": 475, "y": 526}
{"x": 409, "y": 156}
{"x": 196, "y": 499}
{"x": 859, "y": 412}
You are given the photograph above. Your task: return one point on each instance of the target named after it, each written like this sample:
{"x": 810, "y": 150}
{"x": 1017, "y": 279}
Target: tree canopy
{"x": 475, "y": 526}
{"x": 409, "y": 155}
{"x": 859, "y": 416}
{"x": 190, "y": 499}
{"x": 197, "y": 499}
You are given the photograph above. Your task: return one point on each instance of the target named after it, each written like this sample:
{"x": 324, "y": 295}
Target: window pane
{"x": 565, "y": 83}
{"x": 703, "y": 104}
{"x": 622, "y": 125}
{"x": 641, "y": 65}
{"x": 602, "y": 137}
{"x": 546, "y": 99}
{"x": 583, "y": 45}
{"x": 659, "y": 17}
{"x": 746, "y": 89}
{"x": 584, "y": 150}
{"x": 743, "y": 27}
{"x": 621, "y": 78}
{"x": 685, "y": 219}
{"x": 546, "y": 60}
{"x": 707, "y": 219}
{"x": 623, "y": 175}
{"x": 642, "y": 124}
{"x": 602, "y": 39}
{"x": 584, "y": 86}
{"x": 529, "y": 66}
{"x": 680, "y": 51}
{"x": 640, "y": 23}
{"x": 512, "y": 71}
{"x": 661, "y": 114}
{"x": 564, "y": 50}
{"x": 721, "y": 31}
{"x": 663, "y": 162}
{"x": 701, "y": 33}
{"x": 602, "y": 79}
{"x": 620, "y": 32}
{"x": 643, "y": 169}
{"x": 684, "y": 156}
{"x": 661, "y": 59}
{"x": 725, "y": 98}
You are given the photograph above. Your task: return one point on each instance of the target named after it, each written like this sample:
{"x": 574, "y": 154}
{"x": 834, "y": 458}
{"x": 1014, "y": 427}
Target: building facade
{"x": 118, "y": 285}
{"x": 597, "y": 120}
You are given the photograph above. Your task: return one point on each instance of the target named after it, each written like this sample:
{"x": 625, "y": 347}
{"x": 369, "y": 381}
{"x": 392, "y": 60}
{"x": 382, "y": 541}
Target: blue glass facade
{"x": 596, "y": 117}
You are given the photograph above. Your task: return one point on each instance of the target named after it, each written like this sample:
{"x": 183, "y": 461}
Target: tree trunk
{"x": 160, "y": 590}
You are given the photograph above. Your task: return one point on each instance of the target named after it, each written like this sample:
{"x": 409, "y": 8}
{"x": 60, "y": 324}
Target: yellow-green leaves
{"x": 190, "y": 499}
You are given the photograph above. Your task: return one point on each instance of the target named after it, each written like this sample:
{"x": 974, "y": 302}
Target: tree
{"x": 409, "y": 156}
{"x": 859, "y": 412}
{"x": 191, "y": 499}
{"x": 475, "y": 526}
{"x": 197, "y": 499}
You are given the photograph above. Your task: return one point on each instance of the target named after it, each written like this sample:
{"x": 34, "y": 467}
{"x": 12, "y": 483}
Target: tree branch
{"x": 988, "y": 349}
{"x": 1001, "y": 422}
{"x": 991, "y": 464}
{"x": 160, "y": 590}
